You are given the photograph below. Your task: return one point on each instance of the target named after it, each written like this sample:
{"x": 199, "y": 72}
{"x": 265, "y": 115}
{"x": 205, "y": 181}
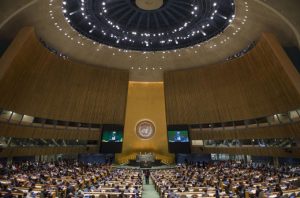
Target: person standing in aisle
{"x": 147, "y": 176}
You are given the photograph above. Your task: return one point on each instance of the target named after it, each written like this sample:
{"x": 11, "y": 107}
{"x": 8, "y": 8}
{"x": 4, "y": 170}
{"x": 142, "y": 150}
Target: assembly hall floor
{"x": 149, "y": 190}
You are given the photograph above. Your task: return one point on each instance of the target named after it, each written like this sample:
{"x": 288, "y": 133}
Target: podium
{"x": 145, "y": 160}
{"x": 146, "y": 157}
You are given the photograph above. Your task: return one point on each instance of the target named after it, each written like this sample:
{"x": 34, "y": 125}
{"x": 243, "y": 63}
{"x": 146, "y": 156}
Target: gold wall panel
{"x": 145, "y": 101}
{"x": 34, "y": 81}
{"x": 261, "y": 83}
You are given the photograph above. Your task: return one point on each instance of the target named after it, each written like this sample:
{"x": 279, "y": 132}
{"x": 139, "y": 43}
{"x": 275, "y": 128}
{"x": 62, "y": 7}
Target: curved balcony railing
{"x": 276, "y": 119}
{"x": 8, "y": 142}
{"x": 10, "y": 117}
{"x": 262, "y": 143}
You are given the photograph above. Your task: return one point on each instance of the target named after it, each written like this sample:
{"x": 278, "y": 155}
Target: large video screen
{"x": 112, "y": 136}
{"x": 178, "y": 136}
{"x": 112, "y": 139}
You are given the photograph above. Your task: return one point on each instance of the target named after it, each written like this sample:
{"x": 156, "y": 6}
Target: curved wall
{"x": 18, "y": 131}
{"x": 275, "y": 132}
{"x": 261, "y": 83}
{"x": 35, "y": 82}
{"x": 35, "y": 151}
{"x": 254, "y": 151}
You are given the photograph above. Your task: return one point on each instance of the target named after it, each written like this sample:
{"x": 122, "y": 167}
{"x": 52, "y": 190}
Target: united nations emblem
{"x": 145, "y": 129}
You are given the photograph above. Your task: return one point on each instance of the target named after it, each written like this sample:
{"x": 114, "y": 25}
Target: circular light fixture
{"x": 149, "y": 25}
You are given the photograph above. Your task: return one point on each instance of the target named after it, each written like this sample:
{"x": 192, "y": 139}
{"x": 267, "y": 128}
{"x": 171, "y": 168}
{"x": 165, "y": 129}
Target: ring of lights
{"x": 177, "y": 24}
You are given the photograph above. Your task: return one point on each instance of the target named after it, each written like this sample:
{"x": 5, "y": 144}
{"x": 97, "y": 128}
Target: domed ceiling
{"x": 149, "y": 25}
{"x": 52, "y": 20}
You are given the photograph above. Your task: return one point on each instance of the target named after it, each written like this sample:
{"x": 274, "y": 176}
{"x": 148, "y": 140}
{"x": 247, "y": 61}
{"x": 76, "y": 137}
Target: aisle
{"x": 149, "y": 190}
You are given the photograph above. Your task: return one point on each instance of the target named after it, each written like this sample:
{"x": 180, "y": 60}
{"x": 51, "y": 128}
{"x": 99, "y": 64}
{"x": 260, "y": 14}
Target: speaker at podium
{"x": 145, "y": 160}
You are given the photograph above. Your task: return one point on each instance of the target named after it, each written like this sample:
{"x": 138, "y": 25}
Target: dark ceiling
{"x": 122, "y": 24}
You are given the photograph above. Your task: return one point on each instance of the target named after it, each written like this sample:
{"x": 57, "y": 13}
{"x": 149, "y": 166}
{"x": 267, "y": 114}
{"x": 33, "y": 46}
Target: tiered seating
{"x": 68, "y": 179}
{"x": 226, "y": 180}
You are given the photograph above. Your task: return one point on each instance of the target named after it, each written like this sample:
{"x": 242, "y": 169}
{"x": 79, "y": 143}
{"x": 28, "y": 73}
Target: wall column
{"x": 145, "y": 101}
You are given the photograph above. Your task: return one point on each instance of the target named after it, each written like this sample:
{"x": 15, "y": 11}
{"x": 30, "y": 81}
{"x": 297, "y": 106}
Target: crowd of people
{"x": 214, "y": 179}
{"x": 68, "y": 179}
{"x": 227, "y": 179}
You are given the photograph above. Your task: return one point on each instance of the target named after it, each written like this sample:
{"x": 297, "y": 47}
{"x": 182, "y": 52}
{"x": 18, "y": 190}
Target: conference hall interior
{"x": 149, "y": 98}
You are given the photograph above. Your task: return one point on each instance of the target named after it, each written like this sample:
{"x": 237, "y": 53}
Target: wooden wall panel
{"x": 278, "y": 131}
{"x": 261, "y": 83}
{"x": 254, "y": 151}
{"x": 36, "y": 151}
{"x": 17, "y": 131}
{"x": 39, "y": 83}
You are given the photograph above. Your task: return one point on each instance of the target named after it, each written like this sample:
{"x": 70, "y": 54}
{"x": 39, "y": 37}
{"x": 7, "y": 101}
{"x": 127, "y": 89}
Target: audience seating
{"x": 227, "y": 179}
{"x": 68, "y": 179}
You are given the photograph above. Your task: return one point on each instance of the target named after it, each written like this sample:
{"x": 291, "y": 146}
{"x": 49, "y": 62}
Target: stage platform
{"x": 149, "y": 163}
{"x": 138, "y": 167}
